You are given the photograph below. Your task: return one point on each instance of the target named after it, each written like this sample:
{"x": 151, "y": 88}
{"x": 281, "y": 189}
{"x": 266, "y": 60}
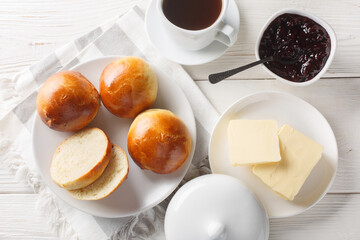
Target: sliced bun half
{"x": 113, "y": 176}
{"x": 81, "y": 159}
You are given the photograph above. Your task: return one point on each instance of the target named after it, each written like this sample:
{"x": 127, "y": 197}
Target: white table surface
{"x": 31, "y": 29}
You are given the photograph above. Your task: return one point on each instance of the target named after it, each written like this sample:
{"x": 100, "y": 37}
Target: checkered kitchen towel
{"x": 124, "y": 36}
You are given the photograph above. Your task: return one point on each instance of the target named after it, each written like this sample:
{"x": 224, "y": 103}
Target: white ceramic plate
{"x": 158, "y": 37}
{"x": 284, "y": 108}
{"x": 142, "y": 189}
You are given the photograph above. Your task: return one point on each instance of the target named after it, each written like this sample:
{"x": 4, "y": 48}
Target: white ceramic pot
{"x": 215, "y": 207}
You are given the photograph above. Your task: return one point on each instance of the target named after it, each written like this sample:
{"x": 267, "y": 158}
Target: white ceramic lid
{"x": 215, "y": 207}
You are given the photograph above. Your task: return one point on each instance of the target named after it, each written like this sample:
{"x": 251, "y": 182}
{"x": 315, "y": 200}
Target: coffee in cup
{"x": 192, "y": 14}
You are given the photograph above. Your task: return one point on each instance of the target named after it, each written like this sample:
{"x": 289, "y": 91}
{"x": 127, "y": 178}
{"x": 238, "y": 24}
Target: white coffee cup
{"x": 198, "y": 39}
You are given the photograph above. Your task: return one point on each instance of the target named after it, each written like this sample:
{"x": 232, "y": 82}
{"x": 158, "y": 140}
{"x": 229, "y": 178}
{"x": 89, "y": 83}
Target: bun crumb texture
{"x": 81, "y": 159}
{"x": 114, "y": 175}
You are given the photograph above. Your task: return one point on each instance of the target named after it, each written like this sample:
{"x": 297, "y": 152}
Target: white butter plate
{"x": 284, "y": 108}
{"x": 142, "y": 189}
{"x": 158, "y": 37}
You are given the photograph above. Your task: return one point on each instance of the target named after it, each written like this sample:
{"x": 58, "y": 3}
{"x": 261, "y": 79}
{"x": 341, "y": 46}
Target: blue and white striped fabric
{"x": 123, "y": 36}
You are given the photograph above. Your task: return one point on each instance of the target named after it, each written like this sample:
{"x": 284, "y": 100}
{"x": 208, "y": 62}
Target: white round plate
{"x": 158, "y": 37}
{"x": 284, "y": 108}
{"x": 143, "y": 189}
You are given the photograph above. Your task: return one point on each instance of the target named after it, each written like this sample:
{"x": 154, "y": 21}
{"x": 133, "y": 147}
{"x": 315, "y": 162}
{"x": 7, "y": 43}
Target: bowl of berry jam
{"x": 303, "y": 47}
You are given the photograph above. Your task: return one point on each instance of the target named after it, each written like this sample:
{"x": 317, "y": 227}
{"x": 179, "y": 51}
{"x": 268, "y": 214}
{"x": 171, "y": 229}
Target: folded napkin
{"x": 124, "y": 36}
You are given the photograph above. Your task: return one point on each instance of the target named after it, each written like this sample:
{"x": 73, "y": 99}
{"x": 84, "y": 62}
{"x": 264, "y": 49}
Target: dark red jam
{"x": 294, "y": 36}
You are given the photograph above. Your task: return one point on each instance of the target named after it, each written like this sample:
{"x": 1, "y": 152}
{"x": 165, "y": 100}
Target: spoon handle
{"x": 217, "y": 77}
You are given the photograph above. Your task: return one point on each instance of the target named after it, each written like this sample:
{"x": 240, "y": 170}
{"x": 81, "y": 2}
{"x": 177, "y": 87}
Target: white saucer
{"x": 168, "y": 49}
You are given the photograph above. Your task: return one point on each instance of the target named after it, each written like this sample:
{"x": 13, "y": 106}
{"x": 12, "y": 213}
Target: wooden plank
{"x": 336, "y": 217}
{"x": 10, "y": 185}
{"x": 8, "y": 182}
{"x": 29, "y": 30}
{"x": 337, "y": 100}
{"x": 19, "y": 219}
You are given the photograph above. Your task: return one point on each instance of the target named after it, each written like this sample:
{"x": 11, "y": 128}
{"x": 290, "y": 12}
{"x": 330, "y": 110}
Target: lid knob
{"x": 216, "y": 231}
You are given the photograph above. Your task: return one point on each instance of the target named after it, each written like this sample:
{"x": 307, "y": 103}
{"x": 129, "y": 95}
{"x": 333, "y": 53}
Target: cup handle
{"x": 226, "y": 34}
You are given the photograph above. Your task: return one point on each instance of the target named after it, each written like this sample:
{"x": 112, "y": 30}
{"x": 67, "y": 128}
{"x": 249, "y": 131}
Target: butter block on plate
{"x": 299, "y": 155}
{"x": 253, "y": 142}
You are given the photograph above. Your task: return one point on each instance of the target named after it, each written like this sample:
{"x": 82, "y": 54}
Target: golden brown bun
{"x": 67, "y": 101}
{"x": 128, "y": 86}
{"x": 159, "y": 141}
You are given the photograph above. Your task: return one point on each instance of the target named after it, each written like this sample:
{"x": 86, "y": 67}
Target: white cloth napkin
{"x": 124, "y": 36}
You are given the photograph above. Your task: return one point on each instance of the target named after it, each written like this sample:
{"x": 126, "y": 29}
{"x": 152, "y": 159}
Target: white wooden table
{"x": 31, "y": 29}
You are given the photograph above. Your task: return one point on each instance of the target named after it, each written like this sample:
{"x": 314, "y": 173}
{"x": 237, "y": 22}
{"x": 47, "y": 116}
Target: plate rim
{"x": 142, "y": 209}
{"x": 251, "y": 95}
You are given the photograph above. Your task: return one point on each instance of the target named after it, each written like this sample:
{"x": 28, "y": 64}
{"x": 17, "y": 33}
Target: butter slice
{"x": 299, "y": 155}
{"x": 253, "y": 142}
